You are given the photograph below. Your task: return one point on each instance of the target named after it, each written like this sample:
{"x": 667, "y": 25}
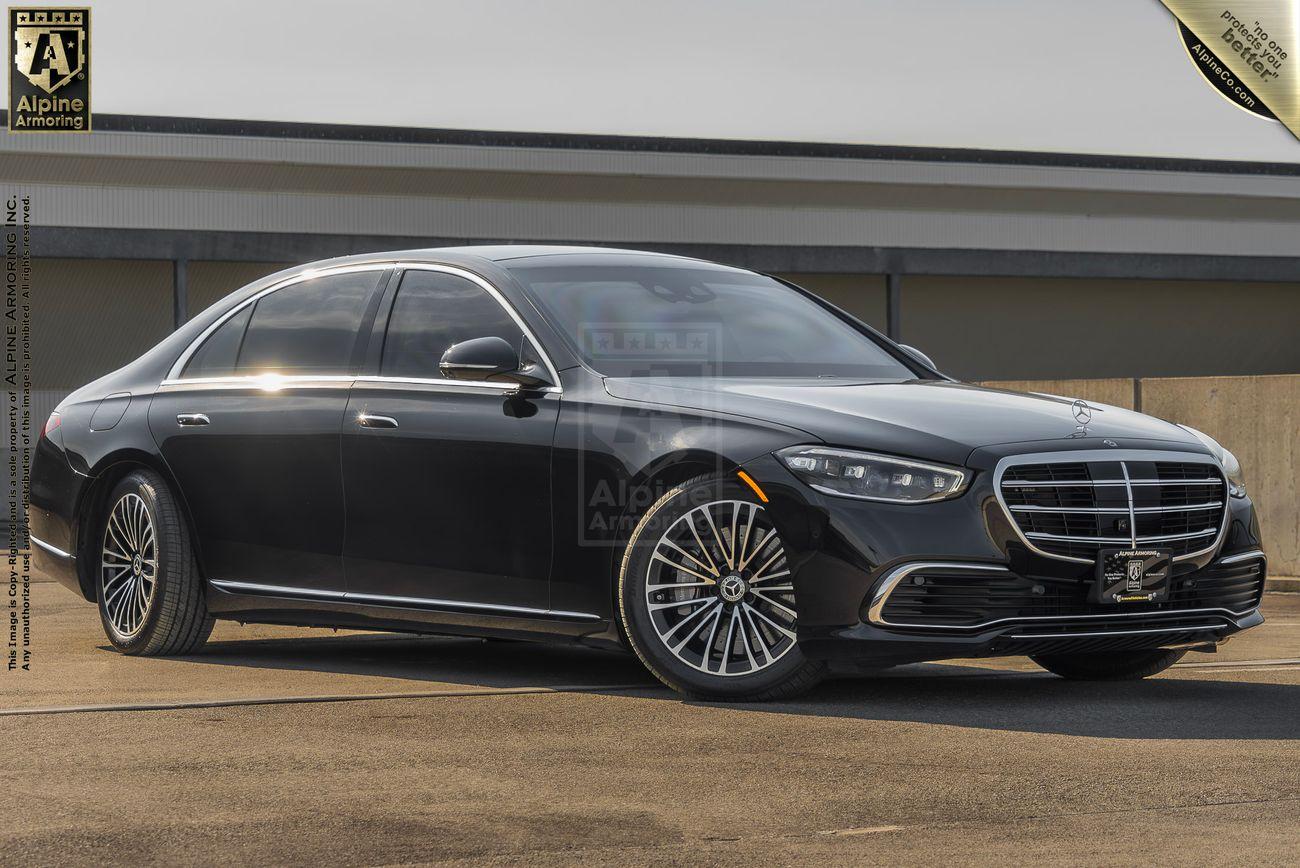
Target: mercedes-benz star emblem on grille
{"x": 1082, "y": 412}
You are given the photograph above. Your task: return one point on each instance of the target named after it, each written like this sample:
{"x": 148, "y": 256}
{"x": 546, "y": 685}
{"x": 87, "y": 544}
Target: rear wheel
{"x": 706, "y": 596}
{"x": 148, "y": 586}
{"x": 1114, "y": 666}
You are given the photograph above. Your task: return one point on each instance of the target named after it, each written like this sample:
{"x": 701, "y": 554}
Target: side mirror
{"x": 491, "y": 360}
{"x": 919, "y": 356}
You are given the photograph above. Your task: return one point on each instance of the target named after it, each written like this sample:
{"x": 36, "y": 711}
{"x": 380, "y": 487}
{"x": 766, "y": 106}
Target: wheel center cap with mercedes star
{"x": 710, "y": 468}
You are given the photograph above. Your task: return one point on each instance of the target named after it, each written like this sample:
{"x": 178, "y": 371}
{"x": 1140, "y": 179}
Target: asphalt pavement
{"x": 298, "y": 746}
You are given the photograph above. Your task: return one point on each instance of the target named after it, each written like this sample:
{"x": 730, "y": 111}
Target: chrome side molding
{"x": 384, "y": 600}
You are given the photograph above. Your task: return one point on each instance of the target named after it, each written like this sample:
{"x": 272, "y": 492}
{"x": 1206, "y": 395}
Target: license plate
{"x": 1132, "y": 575}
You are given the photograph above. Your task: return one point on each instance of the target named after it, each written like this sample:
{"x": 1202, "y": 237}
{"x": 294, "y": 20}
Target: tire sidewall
{"x": 148, "y": 490}
{"x": 636, "y": 619}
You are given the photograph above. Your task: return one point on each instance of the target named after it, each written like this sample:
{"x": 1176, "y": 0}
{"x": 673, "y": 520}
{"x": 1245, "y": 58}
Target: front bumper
{"x": 866, "y": 644}
{"x": 849, "y": 555}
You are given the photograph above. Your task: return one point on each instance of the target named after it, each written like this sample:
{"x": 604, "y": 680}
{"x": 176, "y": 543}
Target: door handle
{"x": 368, "y": 420}
{"x": 188, "y": 419}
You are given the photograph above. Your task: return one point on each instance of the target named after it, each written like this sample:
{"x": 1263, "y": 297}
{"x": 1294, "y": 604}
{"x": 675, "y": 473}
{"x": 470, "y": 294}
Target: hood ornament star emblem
{"x": 1083, "y": 415}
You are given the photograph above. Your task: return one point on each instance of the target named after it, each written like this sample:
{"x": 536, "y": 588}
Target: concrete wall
{"x": 1117, "y": 391}
{"x": 90, "y": 317}
{"x": 1257, "y": 418}
{"x": 287, "y": 178}
{"x": 212, "y": 281}
{"x": 978, "y": 328}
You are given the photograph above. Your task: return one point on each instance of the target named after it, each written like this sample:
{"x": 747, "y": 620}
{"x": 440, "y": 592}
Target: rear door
{"x": 250, "y": 430}
{"x": 448, "y": 482}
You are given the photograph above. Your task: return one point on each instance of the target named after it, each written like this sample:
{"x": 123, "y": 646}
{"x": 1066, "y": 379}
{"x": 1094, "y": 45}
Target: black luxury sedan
{"x": 746, "y": 486}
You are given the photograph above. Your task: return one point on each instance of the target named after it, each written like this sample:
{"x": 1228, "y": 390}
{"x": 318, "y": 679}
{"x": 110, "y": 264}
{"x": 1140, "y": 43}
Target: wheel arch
{"x": 645, "y": 489}
{"x": 105, "y": 475}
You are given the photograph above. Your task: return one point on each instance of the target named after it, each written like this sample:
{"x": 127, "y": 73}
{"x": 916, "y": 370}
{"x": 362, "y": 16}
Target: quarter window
{"x": 216, "y": 356}
{"x": 308, "y": 327}
{"x": 434, "y": 310}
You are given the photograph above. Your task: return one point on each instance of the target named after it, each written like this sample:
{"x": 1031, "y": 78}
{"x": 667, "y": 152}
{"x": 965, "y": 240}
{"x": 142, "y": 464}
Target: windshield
{"x": 691, "y": 320}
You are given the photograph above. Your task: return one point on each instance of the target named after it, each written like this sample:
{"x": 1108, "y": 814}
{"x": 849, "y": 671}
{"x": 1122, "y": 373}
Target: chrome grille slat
{"x": 1119, "y": 510}
{"x": 1104, "y": 483}
{"x": 1069, "y": 505}
{"x": 1121, "y": 540}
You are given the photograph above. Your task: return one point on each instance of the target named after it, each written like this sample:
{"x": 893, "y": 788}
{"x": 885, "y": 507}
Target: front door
{"x": 250, "y": 431}
{"x": 448, "y": 483}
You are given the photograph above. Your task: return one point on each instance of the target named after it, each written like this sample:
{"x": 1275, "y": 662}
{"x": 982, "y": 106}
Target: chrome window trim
{"x": 54, "y": 550}
{"x": 385, "y": 600}
{"x": 174, "y": 373}
{"x": 259, "y": 382}
{"x": 448, "y": 385}
{"x": 892, "y": 579}
{"x": 174, "y": 377}
{"x": 501, "y": 300}
{"x": 1107, "y": 455}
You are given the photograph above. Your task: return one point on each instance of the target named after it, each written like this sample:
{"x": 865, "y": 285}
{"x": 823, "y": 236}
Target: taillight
{"x": 51, "y": 424}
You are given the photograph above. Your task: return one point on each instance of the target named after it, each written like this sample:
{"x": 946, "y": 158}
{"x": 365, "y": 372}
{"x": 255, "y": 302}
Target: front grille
{"x": 1072, "y": 509}
{"x": 954, "y": 599}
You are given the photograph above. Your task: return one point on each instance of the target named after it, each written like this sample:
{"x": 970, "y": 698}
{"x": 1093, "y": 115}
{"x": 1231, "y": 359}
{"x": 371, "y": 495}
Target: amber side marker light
{"x": 749, "y": 480}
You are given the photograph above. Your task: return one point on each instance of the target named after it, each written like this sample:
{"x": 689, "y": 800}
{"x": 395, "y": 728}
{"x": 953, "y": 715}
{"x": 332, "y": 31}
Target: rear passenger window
{"x": 216, "y": 356}
{"x": 308, "y": 327}
{"x": 434, "y": 310}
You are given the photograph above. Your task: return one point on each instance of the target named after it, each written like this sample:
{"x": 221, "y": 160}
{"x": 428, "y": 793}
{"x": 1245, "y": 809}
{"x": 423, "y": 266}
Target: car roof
{"x": 503, "y": 252}
{"x": 492, "y": 253}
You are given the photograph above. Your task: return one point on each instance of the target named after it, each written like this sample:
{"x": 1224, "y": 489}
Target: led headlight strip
{"x": 867, "y": 476}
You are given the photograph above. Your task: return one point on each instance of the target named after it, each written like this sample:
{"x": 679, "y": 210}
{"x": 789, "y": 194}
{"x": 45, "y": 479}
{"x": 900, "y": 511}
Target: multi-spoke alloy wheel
{"x": 129, "y": 565}
{"x": 707, "y": 595}
{"x": 718, "y": 590}
{"x": 150, "y": 593}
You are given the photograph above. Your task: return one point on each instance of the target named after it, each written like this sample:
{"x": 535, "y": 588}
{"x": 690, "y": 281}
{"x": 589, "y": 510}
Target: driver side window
{"x": 434, "y": 310}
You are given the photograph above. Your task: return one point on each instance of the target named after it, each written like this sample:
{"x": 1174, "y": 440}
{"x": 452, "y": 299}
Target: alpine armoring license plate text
{"x": 1132, "y": 575}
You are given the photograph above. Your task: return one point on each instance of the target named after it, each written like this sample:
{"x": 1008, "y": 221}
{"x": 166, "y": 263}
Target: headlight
{"x": 873, "y": 477}
{"x": 1231, "y": 466}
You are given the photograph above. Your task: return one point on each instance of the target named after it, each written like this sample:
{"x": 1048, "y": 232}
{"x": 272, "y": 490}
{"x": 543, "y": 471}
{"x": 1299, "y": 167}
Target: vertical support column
{"x": 180, "y": 292}
{"x": 893, "y": 305}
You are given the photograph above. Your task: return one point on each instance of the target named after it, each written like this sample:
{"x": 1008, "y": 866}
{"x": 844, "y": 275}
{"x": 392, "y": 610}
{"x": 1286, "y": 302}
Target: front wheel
{"x": 706, "y": 596}
{"x": 148, "y": 586}
{"x": 1114, "y": 666}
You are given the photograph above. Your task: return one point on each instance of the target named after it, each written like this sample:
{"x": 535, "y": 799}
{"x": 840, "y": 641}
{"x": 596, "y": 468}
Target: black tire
{"x": 175, "y": 618}
{"x": 1114, "y": 666}
{"x": 786, "y": 672}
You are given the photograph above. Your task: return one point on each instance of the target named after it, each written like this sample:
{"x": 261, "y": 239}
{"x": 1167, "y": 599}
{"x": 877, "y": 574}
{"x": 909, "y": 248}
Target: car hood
{"x": 938, "y": 420}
